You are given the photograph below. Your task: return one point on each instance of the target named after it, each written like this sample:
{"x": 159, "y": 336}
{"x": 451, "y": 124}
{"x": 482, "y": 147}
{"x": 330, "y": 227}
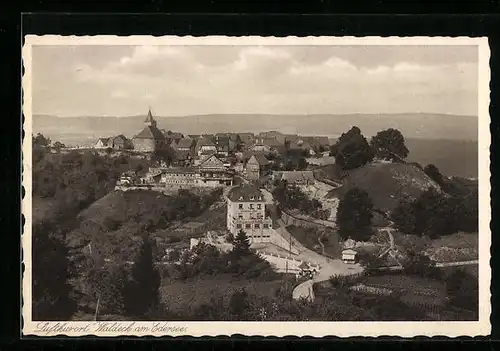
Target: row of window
{"x": 255, "y": 226}
{"x": 250, "y": 206}
{"x": 259, "y": 216}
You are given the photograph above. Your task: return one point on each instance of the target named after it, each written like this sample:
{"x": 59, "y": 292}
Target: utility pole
{"x": 96, "y": 309}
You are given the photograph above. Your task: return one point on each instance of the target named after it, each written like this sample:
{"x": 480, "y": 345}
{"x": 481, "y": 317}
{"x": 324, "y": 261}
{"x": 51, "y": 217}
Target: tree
{"x": 58, "y": 146}
{"x": 107, "y": 285}
{"x": 390, "y": 144}
{"x": 51, "y": 289}
{"x": 352, "y": 150}
{"x": 165, "y": 154}
{"x": 41, "y": 140}
{"x": 433, "y": 172}
{"x": 241, "y": 245}
{"x": 354, "y": 215}
{"x": 238, "y": 304}
{"x": 463, "y": 289}
{"x": 143, "y": 289}
{"x": 417, "y": 263}
{"x": 404, "y": 216}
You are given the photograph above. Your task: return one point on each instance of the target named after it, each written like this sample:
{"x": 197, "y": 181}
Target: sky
{"x": 193, "y": 80}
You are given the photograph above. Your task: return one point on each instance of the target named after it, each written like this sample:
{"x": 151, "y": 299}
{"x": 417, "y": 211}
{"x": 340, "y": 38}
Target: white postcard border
{"x": 316, "y": 329}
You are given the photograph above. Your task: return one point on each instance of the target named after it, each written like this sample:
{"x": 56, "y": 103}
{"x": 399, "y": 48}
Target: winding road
{"x": 328, "y": 266}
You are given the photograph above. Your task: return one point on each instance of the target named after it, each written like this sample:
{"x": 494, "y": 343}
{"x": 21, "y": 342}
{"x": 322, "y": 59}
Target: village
{"x": 245, "y": 166}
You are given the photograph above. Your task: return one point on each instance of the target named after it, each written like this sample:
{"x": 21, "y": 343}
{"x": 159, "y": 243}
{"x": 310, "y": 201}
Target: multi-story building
{"x": 257, "y": 166}
{"x": 246, "y": 210}
{"x": 211, "y": 173}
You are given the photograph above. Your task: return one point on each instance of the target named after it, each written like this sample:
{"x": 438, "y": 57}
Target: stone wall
{"x": 290, "y": 219}
{"x": 144, "y": 145}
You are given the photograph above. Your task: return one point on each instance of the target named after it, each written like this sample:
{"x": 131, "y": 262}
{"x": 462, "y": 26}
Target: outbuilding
{"x": 349, "y": 256}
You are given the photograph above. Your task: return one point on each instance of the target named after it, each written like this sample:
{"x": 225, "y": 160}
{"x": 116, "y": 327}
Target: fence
{"x": 289, "y": 219}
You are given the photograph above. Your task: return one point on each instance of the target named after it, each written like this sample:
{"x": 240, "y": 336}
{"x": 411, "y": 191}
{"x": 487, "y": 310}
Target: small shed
{"x": 349, "y": 256}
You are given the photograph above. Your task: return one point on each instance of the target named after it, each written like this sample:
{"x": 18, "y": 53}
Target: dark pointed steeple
{"x": 150, "y": 121}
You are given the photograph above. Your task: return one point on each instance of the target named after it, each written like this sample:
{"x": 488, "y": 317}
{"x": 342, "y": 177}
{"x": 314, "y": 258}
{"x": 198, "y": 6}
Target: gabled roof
{"x": 104, "y": 140}
{"x": 271, "y": 142}
{"x": 245, "y": 193}
{"x": 304, "y": 265}
{"x": 261, "y": 159}
{"x": 294, "y": 176}
{"x": 204, "y": 142}
{"x": 185, "y": 143}
{"x": 246, "y": 137}
{"x": 182, "y": 155}
{"x": 323, "y": 141}
{"x": 293, "y": 146}
{"x": 150, "y": 132}
{"x": 291, "y": 137}
{"x": 121, "y": 136}
{"x": 216, "y": 162}
{"x": 349, "y": 252}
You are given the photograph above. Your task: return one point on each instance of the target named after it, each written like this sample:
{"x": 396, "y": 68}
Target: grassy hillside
{"x": 114, "y": 223}
{"x": 386, "y": 183}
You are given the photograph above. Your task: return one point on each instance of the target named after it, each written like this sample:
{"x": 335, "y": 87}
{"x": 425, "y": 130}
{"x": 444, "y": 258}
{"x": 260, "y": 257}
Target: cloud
{"x": 180, "y": 80}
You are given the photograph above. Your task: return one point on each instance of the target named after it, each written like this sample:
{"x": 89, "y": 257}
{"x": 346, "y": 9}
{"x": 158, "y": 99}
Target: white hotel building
{"x": 246, "y": 210}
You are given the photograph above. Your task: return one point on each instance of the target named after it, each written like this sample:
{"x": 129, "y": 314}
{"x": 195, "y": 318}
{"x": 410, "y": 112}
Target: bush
{"x": 435, "y": 214}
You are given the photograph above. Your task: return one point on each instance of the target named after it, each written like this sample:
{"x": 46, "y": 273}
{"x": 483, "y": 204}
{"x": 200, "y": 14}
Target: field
{"x": 182, "y": 297}
{"x": 309, "y": 238}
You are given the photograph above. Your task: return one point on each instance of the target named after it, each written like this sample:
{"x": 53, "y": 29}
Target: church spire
{"x": 150, "y": 121}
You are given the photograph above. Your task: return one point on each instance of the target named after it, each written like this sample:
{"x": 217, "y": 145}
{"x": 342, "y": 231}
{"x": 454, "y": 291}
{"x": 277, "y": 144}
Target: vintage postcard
{"x": 204, "y": 186}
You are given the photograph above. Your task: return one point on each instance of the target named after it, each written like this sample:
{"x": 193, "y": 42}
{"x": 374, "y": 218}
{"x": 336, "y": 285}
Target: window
{"x": 240, "y": 206}
{"x": 251, "y": 206}
{"x": 240, "y": 216}
{"x": 258, "y": 206}
{"x": 266, "y": 225}
{"x": 257, "y": 226}
{"x": 238, "y": 226}
{"x": 247, "y": 226}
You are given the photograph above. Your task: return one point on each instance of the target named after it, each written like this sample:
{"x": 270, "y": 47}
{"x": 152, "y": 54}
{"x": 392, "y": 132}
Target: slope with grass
{"x": 386, "y": 183}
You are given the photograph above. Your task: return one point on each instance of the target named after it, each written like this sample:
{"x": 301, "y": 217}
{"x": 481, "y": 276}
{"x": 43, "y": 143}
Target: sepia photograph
{"x": 178, "y": 180}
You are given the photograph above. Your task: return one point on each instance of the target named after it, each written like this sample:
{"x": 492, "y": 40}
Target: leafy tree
{"x": 390, "y": 144}
{"x": 165, "y": 154}
{"x": 352, "y": 150}
{"x": 417, "y": 263}
{"x": 142, "y": 291}
{"x": 52, "y": 292}
{"x": 238, "y": 304}
{"x": 354, "y": 215}
{"x": 433, "y": 172}
{"x": 404, "y": 216}
{"x": 41, "y": 140}
{"x": 107, "y": 284}
{"x": 58, "y": 146}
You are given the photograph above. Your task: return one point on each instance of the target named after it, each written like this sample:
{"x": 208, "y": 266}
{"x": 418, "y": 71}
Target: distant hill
{"x": 455, "y": 155}
{"x": 412, "y": 125}
{"x": 386, "y": 183}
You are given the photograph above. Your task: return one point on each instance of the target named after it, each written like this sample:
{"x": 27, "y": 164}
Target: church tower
{"x": 150, "y": 121}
